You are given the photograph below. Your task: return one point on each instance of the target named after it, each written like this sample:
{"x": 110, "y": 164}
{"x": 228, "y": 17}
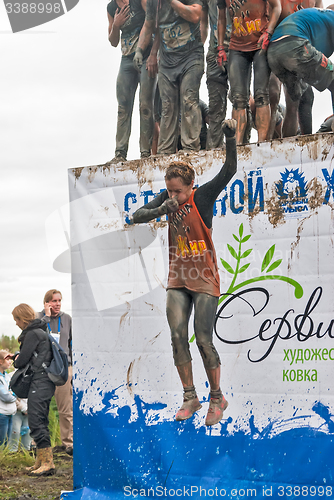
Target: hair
{"x": 180, "y": 169}
{"x": 24, "y": 313}
{"x": 3, "y": 354}
{"x": 49, "y": 295}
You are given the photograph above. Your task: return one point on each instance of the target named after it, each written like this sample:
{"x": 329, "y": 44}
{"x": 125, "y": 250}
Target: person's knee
{"x": 122, "y": 112}
{"x": 145, "y": 110}
{"x": 209, "y": 355}
{"x": 239, "y": 101}
{"x": 261, "y": 98}
{"x": 190, "y": 99}
{"x": 181, "y": 352}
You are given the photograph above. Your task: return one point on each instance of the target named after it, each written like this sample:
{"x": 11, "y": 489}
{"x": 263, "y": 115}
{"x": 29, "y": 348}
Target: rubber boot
{"x": 47, "y": 467}
{"x": 37, "y": 463}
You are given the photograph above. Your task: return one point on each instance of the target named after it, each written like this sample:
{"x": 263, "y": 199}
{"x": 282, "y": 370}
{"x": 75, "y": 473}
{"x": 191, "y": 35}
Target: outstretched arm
{"x": 207, "y": 194}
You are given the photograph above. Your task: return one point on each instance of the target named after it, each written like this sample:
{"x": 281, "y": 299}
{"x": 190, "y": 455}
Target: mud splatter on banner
{"x": 274, "y": 331}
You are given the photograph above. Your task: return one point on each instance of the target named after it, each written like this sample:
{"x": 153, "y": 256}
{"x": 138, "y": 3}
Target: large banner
{"x": 273, "y": 233}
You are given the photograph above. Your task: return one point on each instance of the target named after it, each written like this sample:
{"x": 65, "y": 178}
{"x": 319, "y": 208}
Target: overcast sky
{"x": 58, "y": 111}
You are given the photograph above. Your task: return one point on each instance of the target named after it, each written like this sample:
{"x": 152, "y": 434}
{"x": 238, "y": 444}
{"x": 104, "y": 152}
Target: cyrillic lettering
{"x": 300, "y": 356}
{"x": 286, "y": 354}
{"x": 308, "y": 354}
{"x": 314, "y": 377}
{"x": 300, "y": 375}
{"x": 292, "y": 374}
{"x": 316, "y": 353}
{"x": 324, "y": 354}
{"x": 285, "y": 375}
{"x": 293, "y": 355}
{"x": 306, "y": 375}
{"x": 330, "y": 357}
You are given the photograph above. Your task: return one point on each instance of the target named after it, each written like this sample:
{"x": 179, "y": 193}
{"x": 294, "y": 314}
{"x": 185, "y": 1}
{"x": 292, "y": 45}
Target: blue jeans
{"x": 20, "y": 421}
{"x": 5, "y": 428}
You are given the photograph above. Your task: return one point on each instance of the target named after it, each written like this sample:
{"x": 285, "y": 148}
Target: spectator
{"x": 35, "y": 348}
{"x": 60, "y": 325}
{"x": 7, "y": 398}
{"x": 20, "y": 430}
{"x": 251, "y": 32}
{"x": 180, "y": 70}
{"x": 216, "y": 76}
{"x": 299, "y": 49}
{"x": 126, "y": 19}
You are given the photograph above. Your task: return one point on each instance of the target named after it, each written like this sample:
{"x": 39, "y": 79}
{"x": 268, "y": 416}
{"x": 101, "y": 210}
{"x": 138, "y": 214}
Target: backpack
{"x": 58, "y": 369}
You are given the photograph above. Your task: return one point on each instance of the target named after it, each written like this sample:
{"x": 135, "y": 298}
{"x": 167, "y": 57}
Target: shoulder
{"x": 111, "y": 8}
{"x": 136, "y": 5}
{"x": 64, "y": 315}
{"x": 222, "y": 4}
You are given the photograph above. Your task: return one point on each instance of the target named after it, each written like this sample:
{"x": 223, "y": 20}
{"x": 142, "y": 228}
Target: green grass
{"x": 25, "y": 457}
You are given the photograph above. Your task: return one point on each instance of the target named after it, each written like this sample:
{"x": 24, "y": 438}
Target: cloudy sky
{"x": 58, "y": 111}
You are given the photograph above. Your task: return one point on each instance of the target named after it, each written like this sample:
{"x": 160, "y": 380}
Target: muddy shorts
{"x": 297, "y": 63}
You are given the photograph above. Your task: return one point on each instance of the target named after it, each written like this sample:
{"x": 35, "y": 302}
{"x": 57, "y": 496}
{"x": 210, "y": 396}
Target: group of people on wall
{"x": 277, "y": 42}
{"x": 26, "y": 421}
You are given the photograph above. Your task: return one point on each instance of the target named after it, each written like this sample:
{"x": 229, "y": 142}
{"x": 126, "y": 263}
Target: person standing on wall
{"x": 193, "y": 279}
{"x": 126, "y": 18}
{"x": 60, "y": 325}
{"x": 251, "y": 33}
{"x": 216, "y": 75}
{"x": 181, "y": 66}
{"x": 298, "y": 113}
{"x": 299, "y": 50}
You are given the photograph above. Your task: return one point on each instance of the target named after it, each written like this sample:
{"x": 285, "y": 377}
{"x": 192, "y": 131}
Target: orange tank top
{"x": 192, "y": 256}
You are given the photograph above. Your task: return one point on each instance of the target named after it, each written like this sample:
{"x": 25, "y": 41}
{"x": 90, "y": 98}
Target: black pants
{"x": 39, "y": 397}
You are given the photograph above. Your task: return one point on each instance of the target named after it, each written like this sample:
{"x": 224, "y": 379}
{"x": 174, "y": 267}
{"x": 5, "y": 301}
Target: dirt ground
{"x": 15, "y": 484}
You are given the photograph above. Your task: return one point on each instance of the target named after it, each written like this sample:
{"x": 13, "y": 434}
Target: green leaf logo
{"x": 265, "y": 267}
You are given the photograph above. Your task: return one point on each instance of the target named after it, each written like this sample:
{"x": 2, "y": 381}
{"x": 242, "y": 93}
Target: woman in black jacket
{"x": 35, "y": 348}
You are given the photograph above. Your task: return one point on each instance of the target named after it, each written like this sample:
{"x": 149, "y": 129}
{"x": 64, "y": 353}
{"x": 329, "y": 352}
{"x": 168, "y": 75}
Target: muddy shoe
{"x": 216, "y": 410}
{"x": 47, "y": 467}
{"x": 37, "y": 463}
{"x": 188, "y": 409}
{"x": 118, "y": 158}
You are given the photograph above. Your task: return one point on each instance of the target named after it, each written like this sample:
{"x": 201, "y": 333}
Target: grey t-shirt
{"x": 131, "y": 28}
{"x": 180, "y": 40}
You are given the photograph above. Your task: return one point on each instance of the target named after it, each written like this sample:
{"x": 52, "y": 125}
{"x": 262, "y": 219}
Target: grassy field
{"x": 15, "y": 484}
